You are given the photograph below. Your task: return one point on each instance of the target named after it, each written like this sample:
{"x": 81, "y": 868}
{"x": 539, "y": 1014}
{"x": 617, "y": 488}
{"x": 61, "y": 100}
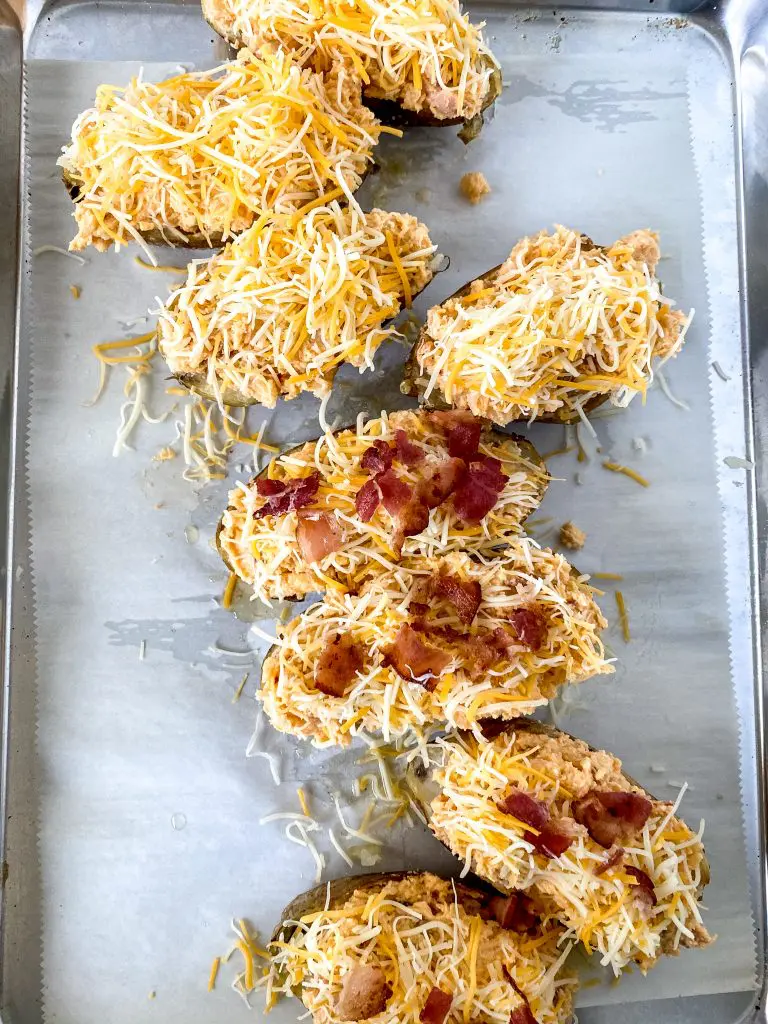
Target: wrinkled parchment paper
{"x": 149, "y": 841}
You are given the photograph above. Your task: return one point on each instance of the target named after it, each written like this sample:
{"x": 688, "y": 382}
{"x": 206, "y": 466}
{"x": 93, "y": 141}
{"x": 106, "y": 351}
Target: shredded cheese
{"x": 615, "y": 467}
{"x": 283, "y": 306}
{"x": 596, "y": 909}
{"x": 514, "y": 683}
{"x": 207, "y": 154}
{"x": 265, "y": 552}
{"x": 423, "y": 934}
{"x": 623, "y": 617}
{"x": 561, "y": 321}
{"x": 422, "y": 54}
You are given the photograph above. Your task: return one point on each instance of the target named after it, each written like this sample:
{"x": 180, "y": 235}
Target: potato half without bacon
{"x": 418, "y": 949}
{"x": 421, "y": 61}
{"x": 284, "y": 305}
{"x": 535, "y": 812}
{"x": 435, "y": 640}
{"x": 333, "y": 511}
{"x": 562, "y": 326}
{"x": 196, "y": 159}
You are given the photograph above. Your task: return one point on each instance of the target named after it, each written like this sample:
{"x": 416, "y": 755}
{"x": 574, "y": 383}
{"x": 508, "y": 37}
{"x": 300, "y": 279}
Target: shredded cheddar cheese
{"x": 523, "y": 576}
{"x": 206, "y": 154}
{"x": 282, "y": 307}
{"x": 422, "y": 933}
{"x": 422, "y": 54}
{"x": 561, "y": 322}
{"x": 597, "y": 909}
{"x": 265, "y": 553}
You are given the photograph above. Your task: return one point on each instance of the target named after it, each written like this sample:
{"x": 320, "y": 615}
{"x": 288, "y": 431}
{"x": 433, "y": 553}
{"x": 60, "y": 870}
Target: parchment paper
{"x": 149, "y": 839}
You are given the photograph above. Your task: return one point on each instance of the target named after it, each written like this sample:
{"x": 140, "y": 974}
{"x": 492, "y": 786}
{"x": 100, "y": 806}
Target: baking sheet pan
{"x": 145, "y": 809}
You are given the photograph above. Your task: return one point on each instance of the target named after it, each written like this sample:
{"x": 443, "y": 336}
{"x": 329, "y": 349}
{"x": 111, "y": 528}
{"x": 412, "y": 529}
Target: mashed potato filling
{"x": 284, "y": 305}
{"x": 473, "y": 678}
{"x": 265, "y": 552}
{"x": 599, "y": 906}
{"x": 424, "y": 55}
{"x": 562, "y": 323}
{"x": 393, "y": 946}
{"x": 203, "y": 155}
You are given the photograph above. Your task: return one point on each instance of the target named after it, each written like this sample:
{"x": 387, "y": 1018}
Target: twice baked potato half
{"x": 284, "y": 305}
{"x": 421, "y": 63}
{"x": 531, "y": 809}
{"x": 418, "y": 949}
{"x": 198, "y": 158}
{"x": 388, "y": 489}
{"x": 562, "y": 326}
{"x": 435, "y": 641}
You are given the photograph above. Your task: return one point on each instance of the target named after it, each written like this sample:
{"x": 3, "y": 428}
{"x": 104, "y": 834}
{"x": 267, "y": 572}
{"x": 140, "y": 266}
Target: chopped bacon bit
{"x": 477, "y": 651}
{"x": 464, "y": 595}
{"x": 405, "y": 451}
{"x": 266, "y": 488}
{"x": 522, "y": 1015}
{"x": 317, "y": 534}
{"x": 364, "y": 993}
{"x": 610, "y": 817}
{"x": 463, "y": 440}
{"x": 441, "y": 481}
{"x": 613, "y": 858}
{"x": 524, "y": 808}
{"x": 338, "y": 664}
{"x": 367, "y": 500}
{"x": 552, "y": 839}
{"x": 530, "y": 625}
{"x": 515, "y": 912}
{"x": 479, "y": 490}
{"x": 493, "y": 727}
{"x": 436, "y": 1007}
{"x": 395, "y": 493}
{"x": 295, "y": 494}
{"x": 378, "y": 458}
{"x": 644, "y": 891}
{"x": 447, "y": 419}
{"x": 413, "y": 660}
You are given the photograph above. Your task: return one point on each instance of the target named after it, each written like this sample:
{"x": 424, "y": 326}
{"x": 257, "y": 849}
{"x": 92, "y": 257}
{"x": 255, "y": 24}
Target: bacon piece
{"x": 364, "y": 993}
{"x": 614, "y": 857}
{"x": 552, "y": 839}
{"x": 522, "y": 1015}
{"x": 378, "y": 458}
{"x": 644, "y": 892}
{"x": 367, "y": 500}
{"x": 295, "y": 494}
{"x": 414, "y": 660}
{"x": 405, "y": 451}
{"x": 436, "y": 1007}
{"x": 514, "y": 912}
{"x": 266, "y": 488}
{"x": 464, "y": 595}
{"x": 317, "y": 534}
{"x": 338, "y": 664}
{"x": 463, "y": 440}
{"x": 530, "y": 626}
{"x": 477, "y": 651}
{"x": 395, "y": 493}
{"x": 408, "y": 512}
{"x": 479, "y": 490}
{"x": 524, "y": 808}
{"x": 441, "y": 481}
{"x": 612, "y": 817}
{"x": 446, "y": 419}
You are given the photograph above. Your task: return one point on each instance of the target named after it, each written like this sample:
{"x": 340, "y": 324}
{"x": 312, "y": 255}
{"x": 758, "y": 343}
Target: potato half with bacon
{"x": 421, "y": 61}
{"x": 196, "y": 159}
{"x": 418, "y": 949}
{"x": 535, "y": 812}
{"x": 284, "y": 305}
{"x": 444, "y": 640}
{"x": 562, "y": 326}
{"x": 333, "y": 511}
